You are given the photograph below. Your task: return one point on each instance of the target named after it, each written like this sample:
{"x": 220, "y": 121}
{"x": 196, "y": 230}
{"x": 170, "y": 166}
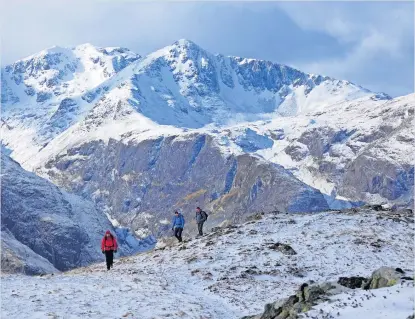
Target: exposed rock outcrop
{"x": 18, "y": 258}
{"x": 352, "y": 282}
{"x": 309, "y": 295}
{"x": 283, "y": 248}
{"x": 384, "y": 277}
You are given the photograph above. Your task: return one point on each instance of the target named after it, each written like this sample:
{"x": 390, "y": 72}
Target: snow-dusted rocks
{"x": 19, "y": 258}
{"x": 385, "y": 277}
{"x": 44, "y": 228}
{"x": 359, "y": 150}
{"x": 329, "y": 300}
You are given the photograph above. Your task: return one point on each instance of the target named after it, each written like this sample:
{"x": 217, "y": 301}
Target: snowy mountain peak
{"x": 181, "y": 85}
{"x": 186, "y": 43}
{"x": 59, "y": 72}
{"x": 85, "y": 46}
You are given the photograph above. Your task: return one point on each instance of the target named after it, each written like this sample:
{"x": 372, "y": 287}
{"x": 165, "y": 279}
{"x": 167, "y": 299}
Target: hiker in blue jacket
{"x": 201, "y": 217}
{"x": 178, "y": 225}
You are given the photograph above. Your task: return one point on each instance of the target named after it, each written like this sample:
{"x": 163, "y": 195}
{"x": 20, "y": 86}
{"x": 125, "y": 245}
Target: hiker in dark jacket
{"x": 201, "y": 217}
{"x": 109, "y": 246}
{"x": 178, "y": 225}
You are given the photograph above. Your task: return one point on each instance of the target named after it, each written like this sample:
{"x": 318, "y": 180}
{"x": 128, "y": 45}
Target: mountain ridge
{"x": 180, "y": 102}
{"x": 272, "y": 119}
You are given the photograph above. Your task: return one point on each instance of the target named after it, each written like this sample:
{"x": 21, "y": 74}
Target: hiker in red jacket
{"x": 109, "y": 246}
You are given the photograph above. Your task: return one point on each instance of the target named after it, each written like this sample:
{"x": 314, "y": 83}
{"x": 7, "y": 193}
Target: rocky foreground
{"x": 299, "y": 266}
{"x": 353, "y": 295}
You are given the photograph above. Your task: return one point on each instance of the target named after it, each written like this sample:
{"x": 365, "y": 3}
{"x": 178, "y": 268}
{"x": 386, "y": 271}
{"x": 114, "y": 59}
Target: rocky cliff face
{"x": 19, "y": 258}
{"x": 44, "y": 228}
{"x": 142, "y": 183}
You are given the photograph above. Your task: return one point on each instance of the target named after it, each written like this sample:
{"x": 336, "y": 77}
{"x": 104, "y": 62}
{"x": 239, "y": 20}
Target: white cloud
{"x": 30, "y": 26}
{"x": 340, "y": 39}
{"x": 373, "y": 32}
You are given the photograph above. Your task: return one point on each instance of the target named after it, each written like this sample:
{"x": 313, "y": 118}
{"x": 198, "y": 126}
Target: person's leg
{"x": 199, "y": 228}
{"x": 179, "y": 233}
{"x": 107, "y": 259}
{"x": 111, "y": 258}
{"x": 176, "y": 233}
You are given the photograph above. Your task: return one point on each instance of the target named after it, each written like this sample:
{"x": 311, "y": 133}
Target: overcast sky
{"x": 369, "y": 43}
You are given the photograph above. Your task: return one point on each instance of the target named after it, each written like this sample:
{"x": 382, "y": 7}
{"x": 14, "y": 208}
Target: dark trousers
{"x": 178, "y": 233}
{"x": 109, "y": 256}
{"x": 200, "y": 228}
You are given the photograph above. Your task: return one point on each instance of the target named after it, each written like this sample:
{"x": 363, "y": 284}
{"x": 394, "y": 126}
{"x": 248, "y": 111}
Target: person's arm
{"x": 115, "y": 245}
{"x": 174, "y": 222}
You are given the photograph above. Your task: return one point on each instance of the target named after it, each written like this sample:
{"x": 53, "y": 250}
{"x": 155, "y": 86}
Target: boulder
{"x": 305, "y": 298}
{"x": 255, "y": 217}
{"x": 384, "y": 277}
{"x": 165, "y": 243}
{"x": 283, "y": 248}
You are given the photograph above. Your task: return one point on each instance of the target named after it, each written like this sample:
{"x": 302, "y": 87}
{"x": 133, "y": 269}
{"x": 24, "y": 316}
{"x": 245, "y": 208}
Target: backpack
{"x": 205, "y": 214}
{"x": 112, "y": 242}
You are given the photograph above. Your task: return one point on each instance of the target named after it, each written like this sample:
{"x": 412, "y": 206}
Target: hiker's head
{"x": 198, "y": 209}
{"x": 176, "y": 213}
{"x": 107, "y": 233}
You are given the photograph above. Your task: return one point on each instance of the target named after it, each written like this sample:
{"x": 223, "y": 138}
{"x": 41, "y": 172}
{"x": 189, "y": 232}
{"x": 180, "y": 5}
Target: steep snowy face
{"x": 181, "y": 85}
{"x": 58, "y": 71}
{"x": 186, "y": 86}
{"x": 46, "y": 93}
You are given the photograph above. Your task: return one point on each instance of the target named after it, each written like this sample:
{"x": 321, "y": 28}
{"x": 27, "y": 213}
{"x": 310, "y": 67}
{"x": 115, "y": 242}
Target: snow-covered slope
{"x": 392, "y": 302}
{"x": 44, "y": 226}
{"x": 185, "y": 86}
{"x": 233, "y": 271}
{"x": 361, "y": 150}
{"x": 181, "y": 85}
{"x": 44, "y": 94}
